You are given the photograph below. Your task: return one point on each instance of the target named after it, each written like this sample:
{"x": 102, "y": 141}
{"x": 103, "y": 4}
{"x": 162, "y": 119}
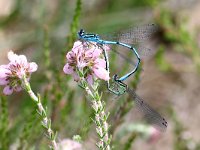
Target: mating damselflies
{"x": 134, "y": 34}
{"x": 117, "y": 86}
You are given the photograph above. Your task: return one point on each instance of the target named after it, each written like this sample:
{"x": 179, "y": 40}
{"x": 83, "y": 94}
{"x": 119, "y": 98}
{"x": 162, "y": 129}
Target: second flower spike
{"x": 11, "y": 75}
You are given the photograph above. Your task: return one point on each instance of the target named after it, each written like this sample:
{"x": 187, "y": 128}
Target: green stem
{"x": 4, "y": 124}
{"x": 100, "y": 116}
{"x": 46, "y": 123}
{"x": 74, "y": 25}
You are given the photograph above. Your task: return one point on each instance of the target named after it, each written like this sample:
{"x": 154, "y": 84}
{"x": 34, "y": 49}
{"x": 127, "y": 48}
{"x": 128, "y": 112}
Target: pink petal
{"x": 97, "y": 52}
{"x": 7, "y": 90}
{"x": 79, "y": 54}
{"x": 17, "y": 88}
{"x": 4, "y": 66}
{"x": 93, "y": 52}
{"x": 106, "y": 47}
{"x": 3, "y": 81}
{"x": 89, "y": 79}
{"x": 68, "y": 69}
{"x": 89, "y": 53}
{"x": 22, "y": 59}
{"x": 77, "y": 44}
{"x": 100, "y": 62}
{"x": 78, "y": 47}
{"x": 101, "y": 73}
{"x": 12, "y": 56}
{"x": 4, "y": 71}
{"x": 75, "y": 76}
{"x": 81, "y": 64}
{"x": 20, "y": 74}
{"x": 70, "y": 56}
{"x": 32, "y": 67}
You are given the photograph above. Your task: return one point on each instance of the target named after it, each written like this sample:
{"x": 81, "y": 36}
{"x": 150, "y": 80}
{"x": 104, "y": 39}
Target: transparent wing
{"x": 123, "y": 60}
{"x": 124, "y": 55}
{"x": 144, "y": 51}
{"x": 150, "y": 115}
{"x": 132, "y": 35}
{"x": 141, "y": 50}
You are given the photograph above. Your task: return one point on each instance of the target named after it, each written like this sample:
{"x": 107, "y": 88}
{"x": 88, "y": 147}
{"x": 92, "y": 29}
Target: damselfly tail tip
{"x": 163, "y": 126}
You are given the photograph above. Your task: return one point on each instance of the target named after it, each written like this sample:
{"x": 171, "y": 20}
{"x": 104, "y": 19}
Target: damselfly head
{"x": 97, "y": 36}
{"x": 81, "y": 32}
{"x": 115, "y": 77}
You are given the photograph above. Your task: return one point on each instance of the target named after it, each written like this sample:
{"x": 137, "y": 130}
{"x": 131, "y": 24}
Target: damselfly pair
{"x": 118, "y": 87}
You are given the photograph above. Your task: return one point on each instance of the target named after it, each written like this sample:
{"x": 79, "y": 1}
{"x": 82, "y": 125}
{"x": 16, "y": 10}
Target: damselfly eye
{"x": 81, "y": 32}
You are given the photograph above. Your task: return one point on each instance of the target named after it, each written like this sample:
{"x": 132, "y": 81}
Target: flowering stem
{"x": 4, "y": 120}
{"x": 46, "y": 123}
{"x": 100, "y": 116}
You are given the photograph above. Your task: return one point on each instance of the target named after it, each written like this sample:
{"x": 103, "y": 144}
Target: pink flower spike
{"x": 12, "y": 74}
{"x": 86, "y": 56}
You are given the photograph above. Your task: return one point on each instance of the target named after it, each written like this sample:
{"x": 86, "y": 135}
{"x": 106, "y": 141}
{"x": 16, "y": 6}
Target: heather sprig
{"x": 15, "y": 76}
{"x": 101, "y": 116}
{"x": 85, "y": 64}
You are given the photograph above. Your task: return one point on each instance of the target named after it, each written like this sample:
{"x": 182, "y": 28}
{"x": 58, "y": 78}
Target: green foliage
{"x": 41, "y": 31}
{"x": 26, "y": 134}
{"x": 46, "y": 47}
{"x": 117, "y": 5}
{"x": 181, "y": 142}
{"x": 77, "y": 138}
{"x": 151, "y": 3}
{"x": 130, "y": 141}
{"x": 74, "y": 25}
{"x": 13, "y": 15}
{"x": 4, "y": 124}
{"x": 174, "y": 32}
{"x": 162, "y": 64}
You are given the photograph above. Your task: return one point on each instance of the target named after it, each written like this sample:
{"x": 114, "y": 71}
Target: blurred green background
{"x": 169, "y": 79}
